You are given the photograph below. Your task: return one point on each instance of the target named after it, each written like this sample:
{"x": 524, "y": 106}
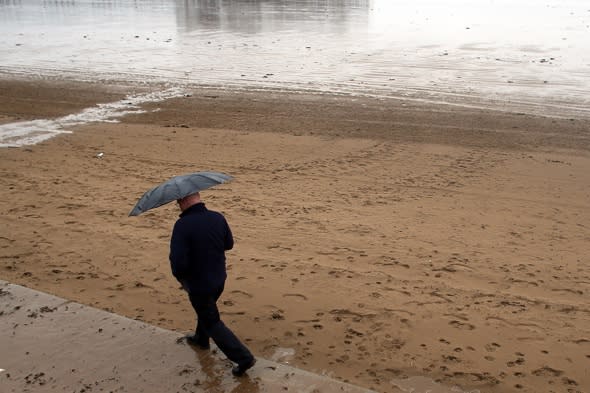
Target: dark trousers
{"x": 209, "y": 325}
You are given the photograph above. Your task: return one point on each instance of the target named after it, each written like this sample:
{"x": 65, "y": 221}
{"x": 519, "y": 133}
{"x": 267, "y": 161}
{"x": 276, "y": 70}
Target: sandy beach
{"x": 376, "y": 240}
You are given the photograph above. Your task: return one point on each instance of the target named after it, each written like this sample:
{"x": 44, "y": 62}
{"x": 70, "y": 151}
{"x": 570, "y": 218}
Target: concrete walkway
{"x": 49, "y": 344}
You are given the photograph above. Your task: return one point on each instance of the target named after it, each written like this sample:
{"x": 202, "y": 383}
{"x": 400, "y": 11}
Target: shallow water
{"x": 521, "y": 55}
{"x": 30, "y": 132}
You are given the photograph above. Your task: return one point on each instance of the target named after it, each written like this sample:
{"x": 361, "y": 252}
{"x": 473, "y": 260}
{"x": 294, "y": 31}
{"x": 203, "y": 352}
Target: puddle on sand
{"x": 35, "y": 131}
{"x": 426, "y": 385}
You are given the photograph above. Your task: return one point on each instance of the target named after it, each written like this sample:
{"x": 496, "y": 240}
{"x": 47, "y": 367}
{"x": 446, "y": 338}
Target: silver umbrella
{"x": 176, "y": 188}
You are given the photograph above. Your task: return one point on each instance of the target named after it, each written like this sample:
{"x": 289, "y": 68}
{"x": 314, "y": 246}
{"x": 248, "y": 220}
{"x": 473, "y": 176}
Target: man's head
{"x": 188, "y": 201}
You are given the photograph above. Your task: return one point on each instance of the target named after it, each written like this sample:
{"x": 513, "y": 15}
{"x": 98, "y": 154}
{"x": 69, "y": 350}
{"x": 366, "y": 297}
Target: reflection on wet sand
{"x": 216, "y": 376}
{"x": 272, "y": 16}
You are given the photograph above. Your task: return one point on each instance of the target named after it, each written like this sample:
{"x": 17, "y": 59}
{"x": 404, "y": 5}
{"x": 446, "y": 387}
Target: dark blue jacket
{"x": 197, "y": 249}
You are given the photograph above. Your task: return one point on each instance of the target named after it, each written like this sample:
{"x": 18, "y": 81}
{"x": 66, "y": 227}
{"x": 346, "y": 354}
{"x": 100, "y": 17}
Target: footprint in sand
{"x": 461, "y": 325}
{"x": 243, "y": 293}
{"x": 547, "y": 372}
{"x": 451, "y": 359}
{"x": 519, "y": 361}
{"x": 569, "y": 382}
{"x": 297, "y": 295}
{"x": 351, "y": 333}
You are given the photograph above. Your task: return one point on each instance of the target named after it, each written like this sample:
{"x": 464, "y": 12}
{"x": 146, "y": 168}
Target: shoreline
{"x": 377, "y": 241}
{"x": 512, "y": 128}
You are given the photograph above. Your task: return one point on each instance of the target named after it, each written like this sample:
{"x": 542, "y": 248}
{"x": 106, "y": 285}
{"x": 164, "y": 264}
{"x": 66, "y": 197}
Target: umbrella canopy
{"x": 176, "y": 188}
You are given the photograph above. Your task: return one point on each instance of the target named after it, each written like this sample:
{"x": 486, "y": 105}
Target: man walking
{"x": 197, "y": 256}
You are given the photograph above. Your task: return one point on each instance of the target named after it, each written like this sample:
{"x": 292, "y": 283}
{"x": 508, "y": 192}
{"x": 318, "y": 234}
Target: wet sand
{"x": 376, "y": 240}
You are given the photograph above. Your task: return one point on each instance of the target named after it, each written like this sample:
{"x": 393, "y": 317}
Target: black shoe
{"x": 240, "y": 369}
{"x": 194, "y": 341}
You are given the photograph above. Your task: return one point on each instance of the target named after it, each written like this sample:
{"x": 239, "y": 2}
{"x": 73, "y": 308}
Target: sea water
{"x": 528, "y": 56}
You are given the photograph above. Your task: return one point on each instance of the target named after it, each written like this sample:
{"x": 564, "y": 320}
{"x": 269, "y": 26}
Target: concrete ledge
{"x": 49, "y": 344}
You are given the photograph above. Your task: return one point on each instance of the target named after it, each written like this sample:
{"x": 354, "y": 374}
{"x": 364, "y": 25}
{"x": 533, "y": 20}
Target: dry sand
{"x": 378, "y": 239}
